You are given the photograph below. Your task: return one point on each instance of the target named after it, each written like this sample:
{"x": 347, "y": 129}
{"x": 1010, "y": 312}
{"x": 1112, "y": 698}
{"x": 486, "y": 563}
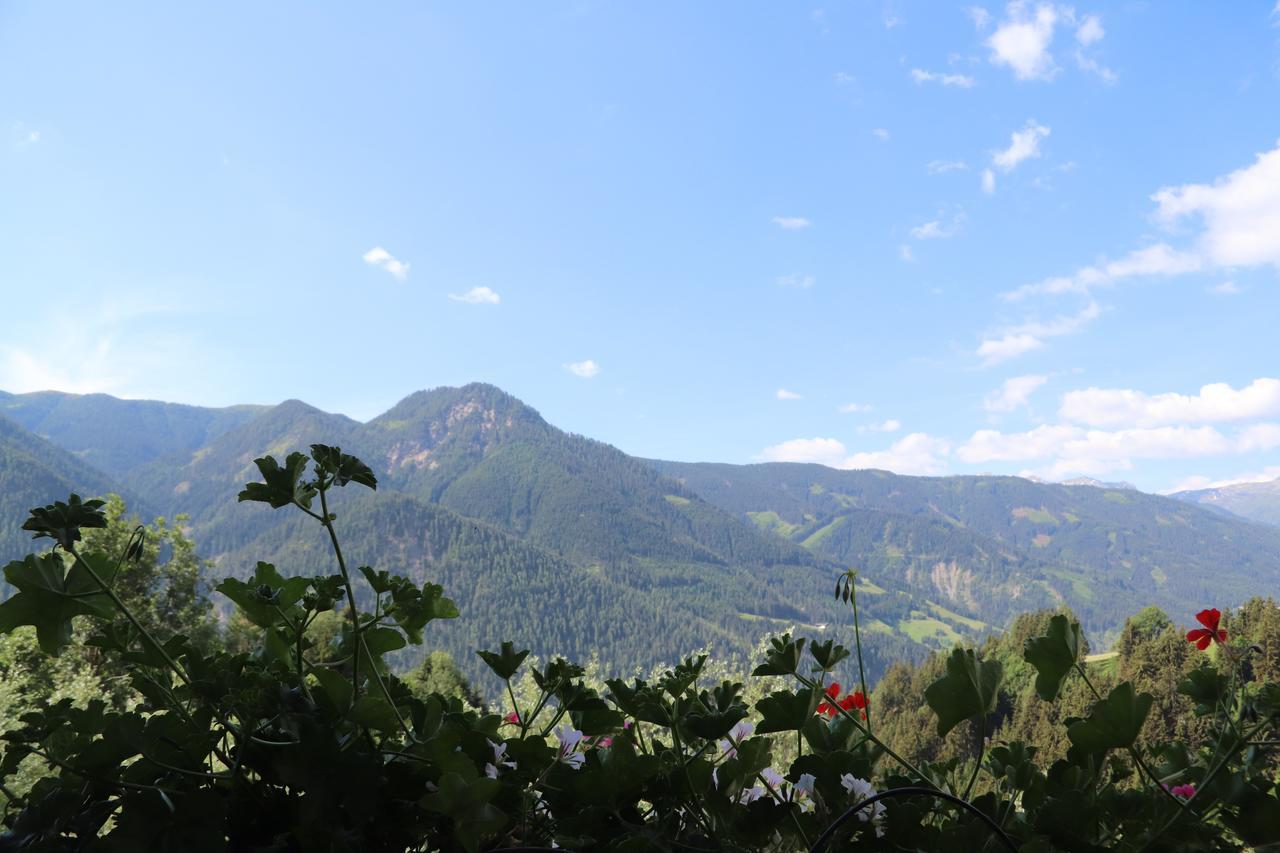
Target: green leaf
{"x": 827, "y": 655}
{"x": 62, "y": 522}
{"x": 374, "y": 712}
{"x": 281, "y": 486}
{"x": 1205, "y": 686}
{"x": 49, "y": 597}
{"x": 506, "y": 661}
{"x": 336, "y": 687}
{"x": 785, "y": 711}
{"x": 1054, "y": 655}
{"x": 969, "y": 689}
{"x": 782, "y": 658}
{"x": 263, "y": 597}
{"x": 413, "y": 608}
{"x": 1112, "y": 723}
{"x": 332, "y": 462}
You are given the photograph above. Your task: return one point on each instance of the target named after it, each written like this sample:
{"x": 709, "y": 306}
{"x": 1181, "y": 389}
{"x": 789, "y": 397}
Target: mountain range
{"x": 1254, "y": 501}
{"x": 571, "y": 546}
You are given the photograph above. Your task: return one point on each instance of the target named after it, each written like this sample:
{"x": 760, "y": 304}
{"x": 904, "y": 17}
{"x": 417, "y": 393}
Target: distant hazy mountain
{"x": 1254, "y": 501}
{"x": 992, "y": 546}
{"x": 1099, "y": 484}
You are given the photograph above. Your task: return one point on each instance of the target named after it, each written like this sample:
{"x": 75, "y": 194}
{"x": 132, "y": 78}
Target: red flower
{"x": 512, "y": 719}
{"x": 848, "y": 703}
{"x": 1210, "y": 633}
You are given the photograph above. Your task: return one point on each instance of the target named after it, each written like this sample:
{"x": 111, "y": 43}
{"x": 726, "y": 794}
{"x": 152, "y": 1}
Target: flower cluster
{"x": 855, "y": 700}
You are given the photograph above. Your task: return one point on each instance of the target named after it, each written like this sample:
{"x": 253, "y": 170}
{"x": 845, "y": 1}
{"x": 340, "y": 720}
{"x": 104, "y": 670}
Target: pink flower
{"x": 626, "y": 724}
{"x": 512, "y": 719}
{"x": 604, "y": 742}
{"x": 1183, "y": 792}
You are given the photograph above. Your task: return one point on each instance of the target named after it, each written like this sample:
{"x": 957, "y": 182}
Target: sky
{"x": 1026, "y": 238}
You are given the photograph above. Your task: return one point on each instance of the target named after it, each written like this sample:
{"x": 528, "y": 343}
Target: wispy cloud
{"x": 959, "y": 81}
{"x": 941, "y": 167}
{"x": 477, "y": 296}
{"x": 880, "y": 133}
{"x": 1226, "y": 288}
{"x": 1023, "y": 145}
{"x": 384, "y": 260}
{"x": 796, "y": 280}
{"x": 854, "y": 408}
{"x": 791, "y": 223}
{"x": 583, "y": 369}
{"x": 784, "y": 394}
{"x": 1013, "y": 341}
{"x": 1014, "y": 393}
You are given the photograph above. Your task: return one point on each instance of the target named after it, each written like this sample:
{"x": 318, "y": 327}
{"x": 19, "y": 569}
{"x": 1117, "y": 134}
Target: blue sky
{"x": 1026, "y": 238}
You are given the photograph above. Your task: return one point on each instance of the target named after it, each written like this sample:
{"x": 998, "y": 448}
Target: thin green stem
{"x": 346, "y": 582}
{"x": 128, "y": 614}
{"x": 982, "y": 752}
{"x": 857, "y": 638}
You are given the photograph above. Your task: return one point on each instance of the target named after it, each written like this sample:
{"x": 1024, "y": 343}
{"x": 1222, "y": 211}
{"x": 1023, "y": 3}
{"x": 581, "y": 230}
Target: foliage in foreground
{"x": 300, "y": 745}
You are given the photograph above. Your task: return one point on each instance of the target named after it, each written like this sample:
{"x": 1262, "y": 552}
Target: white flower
{"x": 750, "y": 795}
{"x": 499, "y": 754}
{"x": 861, "y": 790}
{"x": 773, "y": 777}
{"x": 570, "y": 739}
{"x": 805, "y": 784}
{"x": 737, "y": 735}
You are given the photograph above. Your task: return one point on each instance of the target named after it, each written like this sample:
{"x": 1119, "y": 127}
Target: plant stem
{"x": 346, "y": 581}
{"x": 857, "y": 638}
{"x": 123, "y": 608}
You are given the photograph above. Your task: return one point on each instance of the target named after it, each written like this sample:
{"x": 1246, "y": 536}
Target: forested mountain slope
{"x": 34, "y": 472}
{"x": 117, "y": 435}
{"x": 994, "y": 546}
{"x": 680, "y": 572}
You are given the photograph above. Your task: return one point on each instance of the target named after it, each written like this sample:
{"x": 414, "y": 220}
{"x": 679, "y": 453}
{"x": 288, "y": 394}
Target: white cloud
{"x": 1013, "y": 393}
{"x": 1239, "y": 213}
{"x": 853, "y": 408}
{"x": 1158, "y": 259}
{"x": 824, "y": 451}
{"x": 1226, "y": 288}
{"x": 980, "y": 17}
{"x": 904, "y": 252}
{"x": 1022, "y": 41}
{"x": 891, "y": 425}
{"x": 1239, "y": 219}
{"x": 1092, "y": 66}
{"x": 960, "y": 81}
{"x": 1017, "y": 340}
{"x": 940, "y": 167}
{"x": 1259, "y": 437}
{"x": 1090, "y": 30}
{"x": 796, "y": 280}
{"x": 477, "y": 296}
{"x": 77, "y": 369}
{"x": 844, "y": 78}
{"x": 988, "y": 181}
{"x": 917, "y": 453}
{"x": 1023, "y": 145}
{"x": 880, "y": 133}
{"x": 1200, "y": 481}
{"x": 1070, "y": 449}
{"x": 935, "y": 229}
{"x": 584, "y": 369}
{"x": 784, "y": 394}
{"x": 1214, "y": 403}
{"x": 381, "y": 258}
{"x": 791, "y": 223}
